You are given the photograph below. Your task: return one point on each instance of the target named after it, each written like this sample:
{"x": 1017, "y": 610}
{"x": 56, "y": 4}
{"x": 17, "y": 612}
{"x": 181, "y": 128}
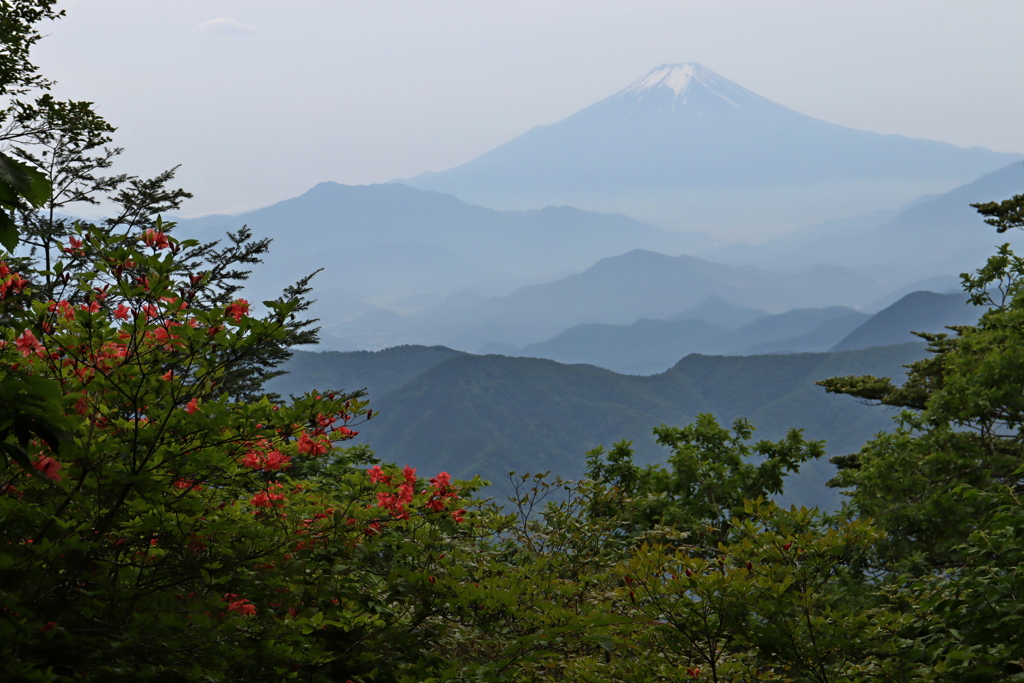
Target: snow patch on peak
{"x": 681, "y": 81}
{"x": 677, "y": 77}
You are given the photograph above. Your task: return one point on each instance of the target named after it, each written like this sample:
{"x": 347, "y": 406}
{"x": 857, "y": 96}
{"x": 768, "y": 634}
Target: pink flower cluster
{"x": 237, "y": 309}
{"x": 271, "y": 461}
{"x": 238, "y": 604}
{"x": 10, "y": 282}
{"x": 270, "y": 497}
{"x": 49, "y": 468}
{"x": 398, "y": 500}
{"x": 313, "y": 446}
{"x": 154, "y": 239}
{"x": 29, "y": 345}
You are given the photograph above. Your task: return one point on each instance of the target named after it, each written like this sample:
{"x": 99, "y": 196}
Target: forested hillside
{"x": 489, "y": 415}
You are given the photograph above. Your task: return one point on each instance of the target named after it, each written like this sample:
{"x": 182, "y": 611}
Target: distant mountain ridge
{"x": 937, "y": 235}
{"x": 402, "y": 265}
{"x": 717, "y": 310}
{"x": 684, "y": 147}
{"x": 916, "y": 312}
{"x": 648, "y": 347}
{"x": 617, "y": 290}
{"x": 439, "y": 409}
{"x": 381, "y": 244}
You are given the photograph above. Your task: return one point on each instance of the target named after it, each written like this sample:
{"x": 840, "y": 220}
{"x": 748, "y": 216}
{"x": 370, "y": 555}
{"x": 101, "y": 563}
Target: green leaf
{"x": 8, "y": 231}
{"x": 19, "y": 181}
{"x": 21, "y": 187}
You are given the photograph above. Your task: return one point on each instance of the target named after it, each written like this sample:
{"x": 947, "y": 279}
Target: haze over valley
{"x": 406, "y": 265}
{"x": 681, "y": 219}
{"x": 572, "y": 229}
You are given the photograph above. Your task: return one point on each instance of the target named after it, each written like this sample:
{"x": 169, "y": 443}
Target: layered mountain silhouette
{"x": 916, "y": 312}
{"x": 403, "y": 265}
{"x": 439, "y": 409}
{"x": 647, "y": 346}
{"x": 618, "y": 290}
{"x": 383, "y": 244}
{"x": 717, "y": 310}
{"x": 651, "y": 346}
{"x": 685, "y": 147}
{"x": 933, "y": 235}
{"x": 406, "y": 265}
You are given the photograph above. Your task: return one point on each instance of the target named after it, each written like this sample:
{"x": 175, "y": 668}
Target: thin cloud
{"x": 225, "y": 28}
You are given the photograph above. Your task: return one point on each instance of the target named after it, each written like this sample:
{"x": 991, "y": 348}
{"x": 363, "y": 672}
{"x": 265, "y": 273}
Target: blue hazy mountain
{"x": 387, "y": 243}
{"x": 686, "y": 148}
{"x": 717, "y": 310}
{"x": 618, "y": 290}
{"x": 650, "y": 346}
{"x": 916, "y": 312}
{"x": 939, "y": 235}
{"x": 647, "y": 346}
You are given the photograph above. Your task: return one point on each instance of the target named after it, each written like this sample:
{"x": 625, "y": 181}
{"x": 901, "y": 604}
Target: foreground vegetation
{"x": 155, "y": 527}
{"x": 164, "y": 520}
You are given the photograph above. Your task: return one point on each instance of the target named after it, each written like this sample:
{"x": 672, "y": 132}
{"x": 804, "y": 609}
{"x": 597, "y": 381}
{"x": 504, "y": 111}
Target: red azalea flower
{"x": 312, "y": 446}
{"x": 275, "y": 460}
{"x": 405, "y": 493}
{"x": 378, "y": 476}
{"x": 151, "y": 311}
{"x": 251, "y": 460}
{"x": 82, "y": 406}
{"x": 65, "y": 309}
{"x": 29, "y": 345}
{"x": 343, "y": 433}
{"x": 237, "y": 309}
{"x": 242, "y": 605}
{"x": 155, "y": 239}
{"x": 49, "y": 467}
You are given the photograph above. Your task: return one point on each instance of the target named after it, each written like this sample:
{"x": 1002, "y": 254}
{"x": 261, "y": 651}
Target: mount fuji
{"x": 685, "y": 148}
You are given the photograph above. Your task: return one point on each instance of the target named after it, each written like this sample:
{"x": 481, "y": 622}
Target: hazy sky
{"x": 261, "y": 99}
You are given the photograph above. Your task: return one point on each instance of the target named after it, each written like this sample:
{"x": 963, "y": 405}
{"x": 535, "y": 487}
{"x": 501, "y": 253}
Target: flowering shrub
{"x": 165, "y": 534}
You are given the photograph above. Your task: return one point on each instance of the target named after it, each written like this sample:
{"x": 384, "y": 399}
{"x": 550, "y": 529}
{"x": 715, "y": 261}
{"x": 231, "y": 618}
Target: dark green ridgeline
{"x": 441, "y": 409}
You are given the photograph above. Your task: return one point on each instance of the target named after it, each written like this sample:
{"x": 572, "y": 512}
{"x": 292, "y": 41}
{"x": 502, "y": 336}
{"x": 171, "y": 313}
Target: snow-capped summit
{"x": 685, "y": 148}
{"x": 677, "y": 77}
{"x": 683, "y": 84}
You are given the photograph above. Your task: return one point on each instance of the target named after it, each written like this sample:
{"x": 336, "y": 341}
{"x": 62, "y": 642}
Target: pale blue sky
{"x": 261, "y": 99}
